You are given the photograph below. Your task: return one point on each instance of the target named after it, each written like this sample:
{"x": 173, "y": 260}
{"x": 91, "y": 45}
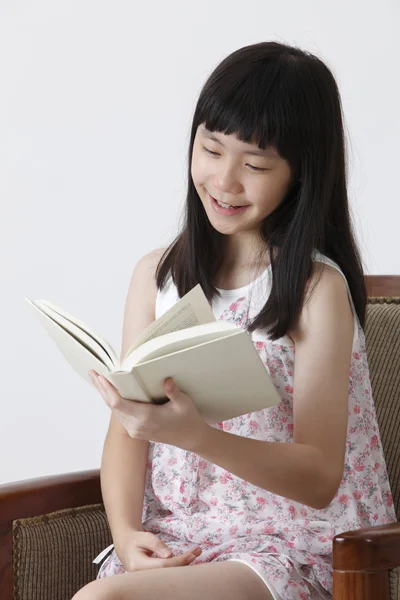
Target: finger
{"x": 146, "y": 562}
{"x": 110, "y": 393}
{"x": 94, "y": 378}
{"x": 184, "y": 559}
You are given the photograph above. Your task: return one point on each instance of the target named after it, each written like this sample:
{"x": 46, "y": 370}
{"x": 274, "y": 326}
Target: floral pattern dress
{"x": 191, "y": 501}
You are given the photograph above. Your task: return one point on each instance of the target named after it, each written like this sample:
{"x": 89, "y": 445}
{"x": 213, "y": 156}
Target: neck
{"x": 243, "y": 252}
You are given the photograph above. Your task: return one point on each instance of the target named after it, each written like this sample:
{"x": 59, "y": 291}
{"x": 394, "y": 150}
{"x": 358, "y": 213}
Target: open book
{"x": 214, "y": 362}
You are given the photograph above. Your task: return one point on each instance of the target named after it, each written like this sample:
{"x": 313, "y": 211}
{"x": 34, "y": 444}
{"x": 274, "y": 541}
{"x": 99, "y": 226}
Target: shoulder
{"x": 144, "y": 272}
{"x": 326, "y": 303}
{"x": 142, "y": 284}
{"x": 325, "y": 283}
{"x": 149, "y": 261}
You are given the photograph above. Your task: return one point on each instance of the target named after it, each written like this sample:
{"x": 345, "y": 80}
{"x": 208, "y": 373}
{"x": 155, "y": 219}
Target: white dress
{"x": 191, "y": 501}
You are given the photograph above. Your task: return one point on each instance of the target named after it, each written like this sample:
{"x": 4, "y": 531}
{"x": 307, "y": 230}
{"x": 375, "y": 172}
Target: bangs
{"x": 259, "y": 108}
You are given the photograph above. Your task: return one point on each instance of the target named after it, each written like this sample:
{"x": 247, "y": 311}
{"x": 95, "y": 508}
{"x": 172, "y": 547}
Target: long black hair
{"x": 275, "y": 95}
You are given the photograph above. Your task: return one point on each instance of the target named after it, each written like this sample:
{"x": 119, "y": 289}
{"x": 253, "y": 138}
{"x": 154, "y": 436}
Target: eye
{"x": 259, "y": 169}
{"x": 209, "y": 151}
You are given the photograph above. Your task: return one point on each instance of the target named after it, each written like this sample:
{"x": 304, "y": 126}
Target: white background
{"x": 96, "y": 102}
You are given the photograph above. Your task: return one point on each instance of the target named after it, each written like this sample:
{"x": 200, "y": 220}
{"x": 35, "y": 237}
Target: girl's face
{"x": 234, "y": 173}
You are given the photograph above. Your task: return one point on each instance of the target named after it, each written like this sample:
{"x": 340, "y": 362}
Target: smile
{"x": 226, "y": 209}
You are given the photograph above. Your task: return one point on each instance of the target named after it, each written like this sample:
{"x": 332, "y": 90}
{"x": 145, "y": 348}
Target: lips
{"x": 227, "y": 211}
{"x": 229, "y": 204}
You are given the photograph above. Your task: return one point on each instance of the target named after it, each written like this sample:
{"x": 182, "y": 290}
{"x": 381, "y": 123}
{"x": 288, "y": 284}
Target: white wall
{"x": 96, "y": 102}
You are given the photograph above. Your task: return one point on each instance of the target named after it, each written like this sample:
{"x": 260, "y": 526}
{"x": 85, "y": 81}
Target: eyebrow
{"x": 259, "y": 152}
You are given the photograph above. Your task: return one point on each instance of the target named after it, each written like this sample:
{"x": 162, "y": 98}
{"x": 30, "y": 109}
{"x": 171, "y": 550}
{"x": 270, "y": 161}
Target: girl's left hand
{"x": 176, "y": 422}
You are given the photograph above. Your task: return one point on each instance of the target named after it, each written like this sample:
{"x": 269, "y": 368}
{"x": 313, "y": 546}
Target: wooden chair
{"x": 51, "y": 528}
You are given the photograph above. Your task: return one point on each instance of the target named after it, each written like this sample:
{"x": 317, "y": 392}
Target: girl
{"x": 248, "y": 508}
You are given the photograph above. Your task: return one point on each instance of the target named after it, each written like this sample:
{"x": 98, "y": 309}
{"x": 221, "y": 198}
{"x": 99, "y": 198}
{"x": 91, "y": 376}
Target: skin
{"x": 308, "y": 470}
{"x": 229, "y": 175}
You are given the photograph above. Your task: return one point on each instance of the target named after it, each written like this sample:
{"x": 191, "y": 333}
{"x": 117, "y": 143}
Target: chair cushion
{"x": 53, "y": 553}
{"x": 394, "y": 582}
{"x": 382, "y": 334}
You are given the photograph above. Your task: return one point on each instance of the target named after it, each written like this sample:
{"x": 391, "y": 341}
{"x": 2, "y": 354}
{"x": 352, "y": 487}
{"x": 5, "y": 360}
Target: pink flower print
{"x": 172, "y": 461}
{"x": 290, "y": 427}
{"x": 259, "y": 345}
{"x": 375, "y": 517}
{"x": 374, "y": 441}
{"x": 292, "y": 511}
{"x": 303, "y": 596}
{"x": 261, "y": 501}
{"x": 357, "y": 494}
{"x": 356, "y": 355}
{"x": 228, "y": 426}
{"x": 249, "y": 531}
{"x": 233, "y": 307}
{"x": 214, "y": 502}
{"x": 182, "y": 487}
{"x": 225, "y": 478}
{"x": 233, "y": 530}
{"x": 344, "y": 499}
{"x": 357, "y": 409}
{"x": 303, "y": 512}
{"x": 358, "y": 466}
{"x": 289, "y": 389}
{"x": 202, "y": 464}
{"x": 273, "y": 549}
{"x": 268, "y": 529}
{"x": 254, "y": 426}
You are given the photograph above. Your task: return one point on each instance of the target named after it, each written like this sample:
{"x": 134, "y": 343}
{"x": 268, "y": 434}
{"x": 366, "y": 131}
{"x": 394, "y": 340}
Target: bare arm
{"x": 310, "y": 469}
{"x": 124, "y": 461}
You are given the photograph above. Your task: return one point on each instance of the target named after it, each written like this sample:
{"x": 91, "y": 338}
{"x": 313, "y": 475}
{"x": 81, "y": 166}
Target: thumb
{"x": 161, "y": 549}
{"x": 171, "y": 390}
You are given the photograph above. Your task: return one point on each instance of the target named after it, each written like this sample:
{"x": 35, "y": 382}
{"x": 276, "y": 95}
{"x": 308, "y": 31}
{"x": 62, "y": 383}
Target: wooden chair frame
{"x": 361, "y": 558}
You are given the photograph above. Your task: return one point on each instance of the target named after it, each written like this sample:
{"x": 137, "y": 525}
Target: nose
{"x": 226, "y": 181}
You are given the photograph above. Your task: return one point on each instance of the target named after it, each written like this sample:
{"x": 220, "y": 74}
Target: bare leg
{"x": 213, "y": 581}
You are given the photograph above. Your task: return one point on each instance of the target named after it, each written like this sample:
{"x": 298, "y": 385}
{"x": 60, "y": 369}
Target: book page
{"x": 44, "y": 305}
{"x": 192, "y": 309}
{"x": 74, "y": 342}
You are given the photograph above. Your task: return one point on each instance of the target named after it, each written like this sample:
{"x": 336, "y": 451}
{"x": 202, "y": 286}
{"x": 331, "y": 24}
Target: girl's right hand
{"x": 135, "y": 552}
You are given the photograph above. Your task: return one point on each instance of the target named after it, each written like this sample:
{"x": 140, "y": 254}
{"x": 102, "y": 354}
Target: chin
{"x": 226, "y": 228}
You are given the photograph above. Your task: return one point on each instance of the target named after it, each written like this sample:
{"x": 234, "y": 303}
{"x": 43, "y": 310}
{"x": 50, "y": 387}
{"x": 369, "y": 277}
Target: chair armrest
{"x": 35, "y": 497}
{"x": 369, "y": 549}
{"x": 361, "y": 560}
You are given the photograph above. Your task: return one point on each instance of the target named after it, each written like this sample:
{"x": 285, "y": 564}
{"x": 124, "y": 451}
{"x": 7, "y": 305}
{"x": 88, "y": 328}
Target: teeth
{"x": 225, "y": 205}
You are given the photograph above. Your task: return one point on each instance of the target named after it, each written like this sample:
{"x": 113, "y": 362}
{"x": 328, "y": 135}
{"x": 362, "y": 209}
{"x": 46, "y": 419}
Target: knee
{"x": 90, "y": 592}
